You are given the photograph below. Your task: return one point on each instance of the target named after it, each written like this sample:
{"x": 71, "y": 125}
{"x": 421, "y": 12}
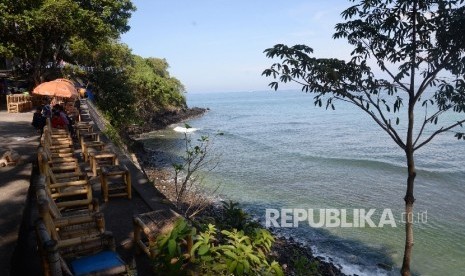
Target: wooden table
{"x": 115, "y": 181}
{"x": 89, "y": 136}
{"x": 148, "y": 226}
{"x": 98, "y": 159}
{"x": 92, "y": 144}
{"x": 83, "y": 128}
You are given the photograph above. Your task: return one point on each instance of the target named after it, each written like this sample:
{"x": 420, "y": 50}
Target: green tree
{"x": 37, "y": 35}
{"x": 417, "y": 46}
{"x": 112, "y": 68}
{"x": 154, "y": 88}
{"x": 125, "y": 83}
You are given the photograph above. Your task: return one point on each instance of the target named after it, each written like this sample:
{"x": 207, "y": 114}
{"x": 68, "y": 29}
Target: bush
{"x": 237, "y": 254}
{"x": 215, "y": 252}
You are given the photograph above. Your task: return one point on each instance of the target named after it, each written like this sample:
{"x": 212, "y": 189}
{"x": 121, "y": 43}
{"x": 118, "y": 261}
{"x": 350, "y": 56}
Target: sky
{"x": 217, "y": 45}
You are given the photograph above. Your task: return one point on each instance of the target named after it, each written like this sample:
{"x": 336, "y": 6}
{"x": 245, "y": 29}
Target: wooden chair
{"x": 62, "y": 144}
{"x": 73, "y": 243}
{"x": 60, "y": 138}
{"x": 70, "y": 207}
{"x": 103, "y": 262}
{"x": 57, "y": 164}
{"x": 74, "y": 223}
{"x": 58, "y": 155}
{"x": 68, "y": 186}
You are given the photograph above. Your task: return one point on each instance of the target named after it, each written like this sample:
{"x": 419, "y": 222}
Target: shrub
{"x": 214, "y": 252}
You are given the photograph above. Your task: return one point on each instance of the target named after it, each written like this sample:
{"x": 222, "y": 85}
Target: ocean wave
{"x": 384, "y": 164}
{"x": 184, "y": 130}
{"x": 347, "y": 268}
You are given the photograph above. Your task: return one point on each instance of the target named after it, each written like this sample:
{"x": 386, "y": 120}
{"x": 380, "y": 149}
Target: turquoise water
{"x": 279, "y": 151}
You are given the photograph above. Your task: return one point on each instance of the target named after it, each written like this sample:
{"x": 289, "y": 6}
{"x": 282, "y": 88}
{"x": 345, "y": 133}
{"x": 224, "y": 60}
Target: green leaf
{"x": 240, "y": 269}
{"x": 195, "y": 246}
{"x": 203, "y": 249}
{"x": 181, "y": 225}
{"x": 231, "y": 255}
{"x": 219, "y": 267}
{"x": 277, "y": 268}
{"x": 172, "y": 247}
{"x": 163, "y": 240}
{"x": 232, "y": 266}
{"x": 254, "y": 258}
{"x": 246, "y": 266}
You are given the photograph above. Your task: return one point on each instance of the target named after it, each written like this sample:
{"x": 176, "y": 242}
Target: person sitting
{"x": 72, "y": 112}
{"x": 38, "y": 121}
{"x": 57, "y": 121}
{"x": 68, "y": 121}
{"x": 47, "y": 109}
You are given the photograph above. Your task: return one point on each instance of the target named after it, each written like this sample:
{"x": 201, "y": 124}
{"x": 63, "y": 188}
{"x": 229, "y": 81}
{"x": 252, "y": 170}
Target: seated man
{"x": 38, "y": 121}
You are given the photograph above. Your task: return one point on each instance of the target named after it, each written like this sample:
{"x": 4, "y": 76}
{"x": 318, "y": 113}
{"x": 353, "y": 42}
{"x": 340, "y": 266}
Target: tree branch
{"x": 431, "y": 76}
{"x": 383, "y": 123}
{"x": 389, "y": 129}
{"x": 439, "y": 131}
{"x": 424, "y": 124}
{"x": 384, "y": 68}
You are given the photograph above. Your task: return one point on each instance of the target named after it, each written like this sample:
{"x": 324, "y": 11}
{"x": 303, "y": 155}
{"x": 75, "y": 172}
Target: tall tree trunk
{"x": 409, "y": 198}
{"x": 37, "y": 69}
{"x": 409, "y": 149}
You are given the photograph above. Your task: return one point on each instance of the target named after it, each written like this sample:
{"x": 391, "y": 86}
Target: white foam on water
{"x": 184, "y": 130}
{"x": 346, "y": 268}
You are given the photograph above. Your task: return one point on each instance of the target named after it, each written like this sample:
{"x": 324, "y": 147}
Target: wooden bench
{"x": 18, "y": 103}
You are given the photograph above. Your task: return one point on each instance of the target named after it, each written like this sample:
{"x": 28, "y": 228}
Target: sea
{"x": 279, "y": 152}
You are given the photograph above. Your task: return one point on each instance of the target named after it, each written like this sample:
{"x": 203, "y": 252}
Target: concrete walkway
{"x": 18, "y": 212}
{"x": 16, "y": 133}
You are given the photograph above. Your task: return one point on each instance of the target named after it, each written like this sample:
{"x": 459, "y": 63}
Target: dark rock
{"x": 163, "y": 119}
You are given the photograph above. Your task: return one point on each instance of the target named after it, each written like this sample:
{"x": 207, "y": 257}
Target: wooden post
{"x": 137, "y": 236}
{"x": 100, "y": 222}
{"x": 49, "y": 251}
{"x": 128, "y": 183}
{"x": 51, "y": 247}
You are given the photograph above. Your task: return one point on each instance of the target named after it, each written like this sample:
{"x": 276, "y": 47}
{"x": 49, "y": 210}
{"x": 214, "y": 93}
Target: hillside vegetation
{"x": 79, "y": 39}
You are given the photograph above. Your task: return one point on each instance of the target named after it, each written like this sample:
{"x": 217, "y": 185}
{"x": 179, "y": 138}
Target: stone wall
{"x": 98, "y": 119}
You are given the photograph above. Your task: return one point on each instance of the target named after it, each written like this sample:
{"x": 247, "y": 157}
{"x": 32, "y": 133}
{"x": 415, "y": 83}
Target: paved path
{"x": 16, "y": 133}
{"x": 18, "y": 212}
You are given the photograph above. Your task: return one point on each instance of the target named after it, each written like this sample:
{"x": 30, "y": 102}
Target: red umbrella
{"x": 57, "y": 88}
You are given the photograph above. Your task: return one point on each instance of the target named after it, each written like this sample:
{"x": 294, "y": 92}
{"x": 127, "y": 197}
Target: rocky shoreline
{"x": 295, "y": 257}
{"x": 165, "y": 118}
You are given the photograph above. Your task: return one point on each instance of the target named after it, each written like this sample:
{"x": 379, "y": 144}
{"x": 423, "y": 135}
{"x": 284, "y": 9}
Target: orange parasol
{"x": 57, "y": 88}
